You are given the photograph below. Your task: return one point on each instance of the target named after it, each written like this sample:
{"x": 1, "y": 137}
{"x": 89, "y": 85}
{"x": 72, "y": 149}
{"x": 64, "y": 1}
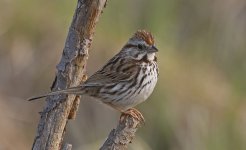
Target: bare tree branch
{"x": 120, "y": 137}
{"x": 70, "y": 72}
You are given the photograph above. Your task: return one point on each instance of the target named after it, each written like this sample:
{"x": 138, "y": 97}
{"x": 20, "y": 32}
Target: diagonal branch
{"x": 70, "y": 72}
{"x": 120, "y": 137}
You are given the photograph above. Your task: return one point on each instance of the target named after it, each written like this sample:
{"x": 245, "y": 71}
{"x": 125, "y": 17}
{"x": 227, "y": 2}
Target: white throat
{"x": 151, "y": 56}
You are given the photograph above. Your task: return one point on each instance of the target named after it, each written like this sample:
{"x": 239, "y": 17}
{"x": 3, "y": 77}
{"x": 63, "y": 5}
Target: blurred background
{"x": 198, "y": 104}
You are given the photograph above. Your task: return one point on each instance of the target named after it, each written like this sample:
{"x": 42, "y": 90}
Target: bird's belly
{"x": 124, "y": 95}
{"x": 144, "y": 94}
{"x": 139, "y": 95}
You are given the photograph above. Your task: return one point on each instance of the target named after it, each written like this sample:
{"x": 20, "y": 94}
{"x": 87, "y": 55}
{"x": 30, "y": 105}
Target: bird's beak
{"x": 153, "y": 49}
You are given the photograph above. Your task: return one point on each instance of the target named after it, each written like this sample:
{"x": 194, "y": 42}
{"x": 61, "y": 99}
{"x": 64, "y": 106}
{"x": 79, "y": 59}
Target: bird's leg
{"x": 134, "y": 113}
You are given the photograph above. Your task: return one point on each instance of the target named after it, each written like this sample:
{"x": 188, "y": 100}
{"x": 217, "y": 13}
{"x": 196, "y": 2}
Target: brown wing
{"x": 116, "y": 70}
{"x": 102, "y": 78}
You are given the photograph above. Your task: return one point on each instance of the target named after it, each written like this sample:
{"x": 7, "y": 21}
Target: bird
{"x": 126, "y": 80}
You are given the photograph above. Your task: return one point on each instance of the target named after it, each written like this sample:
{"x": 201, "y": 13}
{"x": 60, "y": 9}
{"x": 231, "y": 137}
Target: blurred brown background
{"x": 198, "y": 104}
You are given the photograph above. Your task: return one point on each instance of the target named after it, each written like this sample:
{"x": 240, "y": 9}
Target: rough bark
{"x": 70, "y": 72}
{"x": 120, "y": 137}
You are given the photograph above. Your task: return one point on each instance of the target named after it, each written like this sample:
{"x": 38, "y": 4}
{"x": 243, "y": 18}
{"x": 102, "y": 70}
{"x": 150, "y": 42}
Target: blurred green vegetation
{"x": 198, "y": 104}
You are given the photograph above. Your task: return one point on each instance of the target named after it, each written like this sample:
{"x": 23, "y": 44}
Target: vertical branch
{"x": 70, "y": 72}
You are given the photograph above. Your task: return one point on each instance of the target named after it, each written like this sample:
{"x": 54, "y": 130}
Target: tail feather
{"x": 73, "y": 90}
{"x": 37, "y": 97}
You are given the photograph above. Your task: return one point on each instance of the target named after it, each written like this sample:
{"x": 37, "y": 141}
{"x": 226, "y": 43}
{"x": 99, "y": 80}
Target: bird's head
{"x": 141, "y": 44}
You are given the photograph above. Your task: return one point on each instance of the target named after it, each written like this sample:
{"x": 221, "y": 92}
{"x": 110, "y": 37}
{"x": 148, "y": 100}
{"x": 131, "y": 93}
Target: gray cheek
{"x": 135, "y": 54}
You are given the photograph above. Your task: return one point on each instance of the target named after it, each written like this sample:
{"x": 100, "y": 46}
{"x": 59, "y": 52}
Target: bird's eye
{"x": 140, "y": 46}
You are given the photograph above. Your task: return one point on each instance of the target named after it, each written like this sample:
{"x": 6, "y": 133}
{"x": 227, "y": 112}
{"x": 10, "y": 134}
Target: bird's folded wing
{"x": 103, "y": 78}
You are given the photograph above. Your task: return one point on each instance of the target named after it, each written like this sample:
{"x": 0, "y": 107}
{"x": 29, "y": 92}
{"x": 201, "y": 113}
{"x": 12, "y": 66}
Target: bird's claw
{"x": 133, "y": 113}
